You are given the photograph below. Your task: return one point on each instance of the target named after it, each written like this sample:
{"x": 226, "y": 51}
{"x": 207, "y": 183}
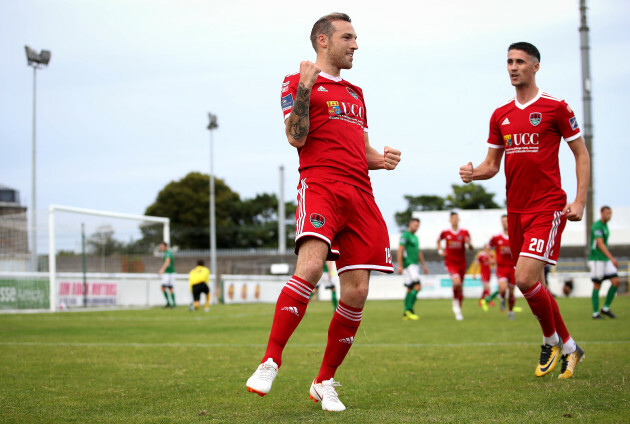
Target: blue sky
{"x": 122, "y": 108}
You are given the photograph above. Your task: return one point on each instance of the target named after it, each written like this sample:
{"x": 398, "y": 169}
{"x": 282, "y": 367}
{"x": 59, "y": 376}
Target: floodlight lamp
{"x": 33, "y": 58}
{"x": 213, "y": 121}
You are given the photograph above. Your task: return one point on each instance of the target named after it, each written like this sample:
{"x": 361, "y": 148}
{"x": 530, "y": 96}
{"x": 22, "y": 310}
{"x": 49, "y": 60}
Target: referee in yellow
{"x": 198, "y": 280}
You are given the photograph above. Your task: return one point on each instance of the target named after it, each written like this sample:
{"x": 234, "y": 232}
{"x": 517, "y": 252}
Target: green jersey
{"x": 412, "y": 247}
{"x": 598, "y": 230}
{"x": 170, "y": 269}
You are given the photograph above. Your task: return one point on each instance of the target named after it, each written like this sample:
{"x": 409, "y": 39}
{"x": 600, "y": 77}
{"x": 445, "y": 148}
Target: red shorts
{"x": 485, "y": 276}
{"x": 348, "y": 220}
{"x": 455, "y": 269}
{"x": 506, "y": 273}
{"x": 537, "y": 235}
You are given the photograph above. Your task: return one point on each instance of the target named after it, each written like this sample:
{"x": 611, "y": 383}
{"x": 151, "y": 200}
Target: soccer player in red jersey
{"x": 529, "y": 129}
{"x": 505, "y": 269}
{"x": 455, "y": 259}
{"x": 485, "y": 262}
{"x": 337, "y": 217}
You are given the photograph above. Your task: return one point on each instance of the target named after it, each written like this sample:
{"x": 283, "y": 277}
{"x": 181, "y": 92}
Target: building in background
{"x": 14, "y": 252}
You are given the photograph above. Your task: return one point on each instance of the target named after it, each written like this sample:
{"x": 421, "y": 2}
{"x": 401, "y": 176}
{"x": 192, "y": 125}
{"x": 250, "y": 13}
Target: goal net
{"x": 97, "y": 257}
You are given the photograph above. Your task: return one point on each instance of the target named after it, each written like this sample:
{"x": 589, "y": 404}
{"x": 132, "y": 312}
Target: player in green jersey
{"x": 167, "y": 271}
{"x": 409, "y": 256}
{"x": 603, "y": 264}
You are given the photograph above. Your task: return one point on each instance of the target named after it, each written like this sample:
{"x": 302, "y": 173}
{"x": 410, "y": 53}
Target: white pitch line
{"x": 253, "y": 345}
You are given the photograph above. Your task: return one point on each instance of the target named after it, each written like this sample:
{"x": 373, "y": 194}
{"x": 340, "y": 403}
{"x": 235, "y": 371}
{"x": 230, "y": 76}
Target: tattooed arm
{"x": 298, "y": 123}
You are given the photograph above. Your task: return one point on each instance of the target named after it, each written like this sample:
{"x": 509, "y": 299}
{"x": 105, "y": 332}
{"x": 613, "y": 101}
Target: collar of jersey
{"x": 532, "y": 101}
{"x": 330, "y": 77}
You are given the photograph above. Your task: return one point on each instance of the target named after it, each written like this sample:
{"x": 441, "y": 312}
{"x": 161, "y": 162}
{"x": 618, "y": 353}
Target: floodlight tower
{"x": 37, "y": 61}
{"x": 213, "y": 125}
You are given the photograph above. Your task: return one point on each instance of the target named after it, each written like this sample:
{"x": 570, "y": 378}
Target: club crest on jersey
{"x": 352, "y": 93}
{"x": 535, "y": 118}
{"x": 333, "y": 107}
{"x": 507, "y": 140}
{"x": 317, "y": 220}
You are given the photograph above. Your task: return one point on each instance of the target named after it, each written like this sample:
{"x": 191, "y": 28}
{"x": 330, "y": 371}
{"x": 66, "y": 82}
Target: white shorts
{"x": 602, "y": 270}
{"x": 411, "y": 274}
{"x": 168, "y": 280}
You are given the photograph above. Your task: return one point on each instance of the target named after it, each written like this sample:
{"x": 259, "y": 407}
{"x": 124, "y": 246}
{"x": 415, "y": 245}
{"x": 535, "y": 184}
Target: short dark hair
{"x": 324, "y": 26}
{"x": 200, "y": 262}
{"x": 504, "y": 215}
{"x": 454, "y": 213}
{"x": 164, "y": 243}
{"x": 528, "y": 48}
{"x": 603, "y": 208}
{"x": 414, "y": 219}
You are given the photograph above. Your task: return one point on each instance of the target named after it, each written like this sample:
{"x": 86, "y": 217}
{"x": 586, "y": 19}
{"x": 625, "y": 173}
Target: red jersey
{"x": 484, "y": 265}
{"x": 335, "y": 145}
{"x": 501, "y": 244}
{"x": 455, "y": 247}
{"x": 530, "y": 135}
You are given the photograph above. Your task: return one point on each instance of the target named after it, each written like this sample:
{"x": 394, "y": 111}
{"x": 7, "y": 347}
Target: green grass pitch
{"x": 163, "y": 366}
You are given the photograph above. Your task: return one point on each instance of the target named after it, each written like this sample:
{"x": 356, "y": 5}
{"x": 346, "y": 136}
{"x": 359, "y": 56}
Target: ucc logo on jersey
{"x": 317, "y": 220}
{"x": 535, "y": 118}
{"x": 522, "y": 139}
{"x": 333, "y": 107}
{"x": 352, "y": 93}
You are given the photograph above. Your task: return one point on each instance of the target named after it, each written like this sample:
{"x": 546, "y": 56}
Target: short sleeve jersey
{"x": 484, "y": 265}
{"x": 412, "y": 248}
{"x": 455, "y": 247}
{"x": 501, "y": 245}
{"x": 530, "y": 134}
{"x": 200, "y": 274}
{"x": 598, "y": 230}
{"x": 335, "y": 145}
{"x": 170, "y": 269}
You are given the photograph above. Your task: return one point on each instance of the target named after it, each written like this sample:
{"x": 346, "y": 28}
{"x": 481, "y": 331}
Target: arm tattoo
{"x": 299, "y": 120}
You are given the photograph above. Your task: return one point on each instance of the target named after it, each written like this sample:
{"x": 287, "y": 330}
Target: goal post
{"x": 52, "y": 256}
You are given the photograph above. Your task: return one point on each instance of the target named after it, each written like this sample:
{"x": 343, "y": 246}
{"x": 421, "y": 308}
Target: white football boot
{"x": 457, "y": 310}
{"x": 325, "y": 393}
{"x": 260, "y": 382}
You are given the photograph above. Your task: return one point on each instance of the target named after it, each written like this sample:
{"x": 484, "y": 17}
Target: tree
{"x": 102, "y": 241}
{"x": 467, "y": 196}
{"x": 240, "y": 223}
{"x": 471, "y": 196}
{"x": 419, "y": 203}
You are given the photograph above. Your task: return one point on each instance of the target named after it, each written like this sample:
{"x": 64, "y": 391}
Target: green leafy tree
{"x": 102, "y": 241}
{"x": 467, "y": 196}
{"x": 471, "y": 196}
{"x": 419, "y": 203}
{"x": 240, "y": 223}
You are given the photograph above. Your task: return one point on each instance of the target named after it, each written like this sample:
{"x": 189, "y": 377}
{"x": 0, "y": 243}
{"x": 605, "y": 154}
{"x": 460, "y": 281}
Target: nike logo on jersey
{"x": 506, "y": 122}
{"x": 321, "y": 88}
{"x": 291, "y": 309}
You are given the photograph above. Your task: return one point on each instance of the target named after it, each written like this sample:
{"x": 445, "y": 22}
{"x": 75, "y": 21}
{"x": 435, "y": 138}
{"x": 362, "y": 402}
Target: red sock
{"x": 343, "y": 327}
{"x": 486, "y": 293}
{"x": 511, "y": 301}
{"x": 561, "y": 329}
{"x": 458, "y": 293}
{"x": 290, "y": 309}
{"x": 539, "y": 303}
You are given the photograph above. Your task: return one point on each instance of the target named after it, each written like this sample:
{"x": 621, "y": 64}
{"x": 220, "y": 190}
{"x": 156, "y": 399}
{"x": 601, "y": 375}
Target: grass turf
{"x": 160, "y": 365}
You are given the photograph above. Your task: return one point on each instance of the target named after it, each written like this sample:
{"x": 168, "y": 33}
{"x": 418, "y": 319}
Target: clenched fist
{"x": 466, "y": 172}
{"x": 308, "y": 73}
{"x": 391, "y": 158}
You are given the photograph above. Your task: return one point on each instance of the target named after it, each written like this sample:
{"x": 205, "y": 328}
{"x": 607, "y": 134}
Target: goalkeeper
{"x": 198, "y": 280}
